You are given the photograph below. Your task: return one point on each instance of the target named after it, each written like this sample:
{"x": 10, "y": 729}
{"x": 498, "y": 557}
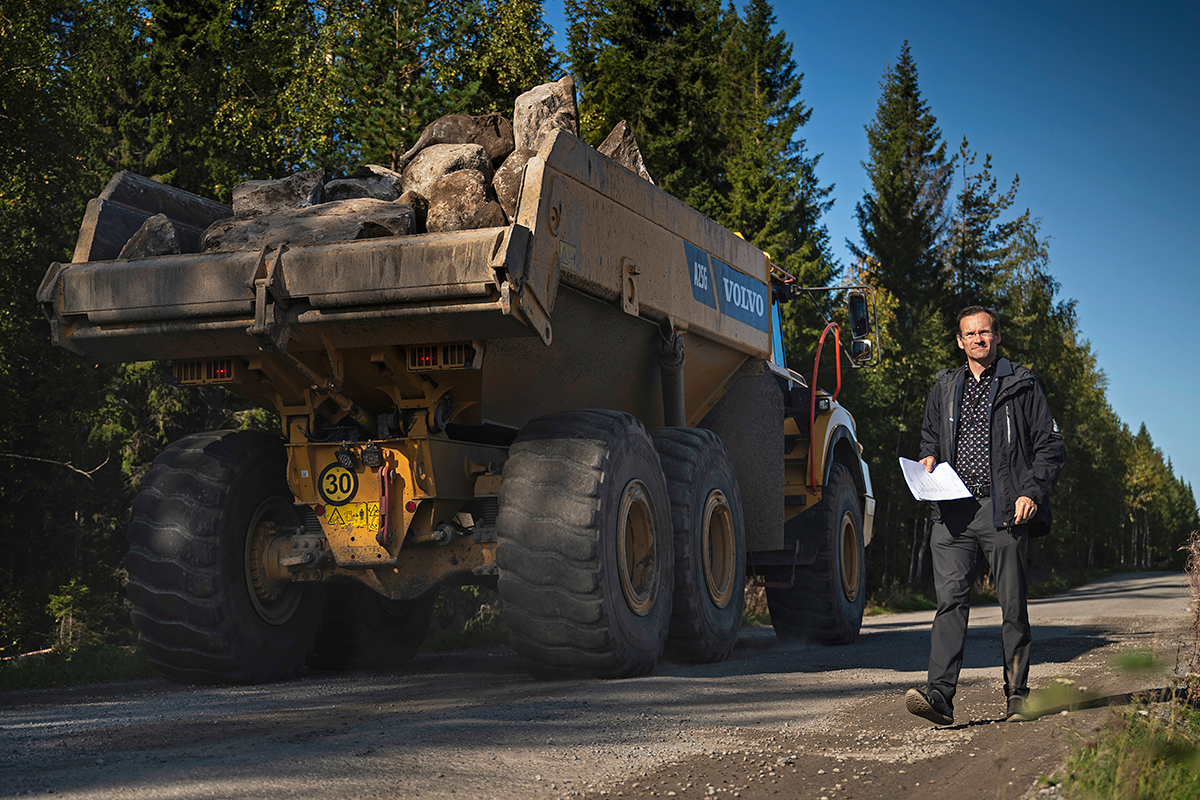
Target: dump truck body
{"x": 414, "y": 377}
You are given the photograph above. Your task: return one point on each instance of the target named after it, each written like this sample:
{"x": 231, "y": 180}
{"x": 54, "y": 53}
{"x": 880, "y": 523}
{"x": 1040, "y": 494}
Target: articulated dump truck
{"x": 587, "y": 411}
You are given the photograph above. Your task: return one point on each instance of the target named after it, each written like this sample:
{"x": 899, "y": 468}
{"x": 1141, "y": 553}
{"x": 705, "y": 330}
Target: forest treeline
{"x": 204, "y": 94}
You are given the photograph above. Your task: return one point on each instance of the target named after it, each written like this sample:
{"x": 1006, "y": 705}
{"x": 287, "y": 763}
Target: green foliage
{"x": 649, "y": 62}
{"x": 1148, "y": 752}
{"x": 927, "y": 259}
{"x": 723, "y": 134}
{"x": 96, "y": 663}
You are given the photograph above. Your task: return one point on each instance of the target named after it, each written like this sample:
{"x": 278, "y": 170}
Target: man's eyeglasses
{"x": 977, "y": 335}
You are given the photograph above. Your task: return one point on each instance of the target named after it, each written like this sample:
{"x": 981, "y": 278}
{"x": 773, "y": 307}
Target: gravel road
{"x": 473, "y": 724}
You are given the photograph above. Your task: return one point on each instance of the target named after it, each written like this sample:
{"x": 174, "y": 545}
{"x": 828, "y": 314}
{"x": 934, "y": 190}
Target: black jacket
{"x": 1027, "y": 448}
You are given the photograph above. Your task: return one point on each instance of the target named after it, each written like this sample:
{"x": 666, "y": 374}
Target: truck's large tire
{"x": 584, "y": 546}
{"x": 826, "y": 603}
{"x": 361, "y": 629}
{"x": 710, "y": 544}
{"x": 191, "y": 543}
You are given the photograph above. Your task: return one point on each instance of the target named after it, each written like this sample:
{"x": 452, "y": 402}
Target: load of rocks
{"x": 463, "y": 173}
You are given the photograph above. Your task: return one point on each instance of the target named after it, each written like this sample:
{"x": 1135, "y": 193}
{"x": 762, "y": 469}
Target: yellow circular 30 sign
{"x": 337, "y": 485}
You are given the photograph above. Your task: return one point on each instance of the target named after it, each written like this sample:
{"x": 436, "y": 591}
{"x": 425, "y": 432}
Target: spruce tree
{"x": 901, "y": 220}
{"x": 651, "y": 63}
{"x": 774, "y": 198}
{"x": 901, "y": 217}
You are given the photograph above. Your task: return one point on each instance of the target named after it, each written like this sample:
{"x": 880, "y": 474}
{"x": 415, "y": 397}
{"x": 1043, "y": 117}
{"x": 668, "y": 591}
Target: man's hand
{"x": 1026, "y": 508}
{"x": 930, "y": 462}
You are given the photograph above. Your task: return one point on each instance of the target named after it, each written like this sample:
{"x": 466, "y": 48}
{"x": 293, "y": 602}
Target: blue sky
{"x": 1096, "y": 105}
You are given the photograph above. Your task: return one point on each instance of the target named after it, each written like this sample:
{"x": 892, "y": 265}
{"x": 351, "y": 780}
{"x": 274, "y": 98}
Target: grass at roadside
{"x": 71, "y": 667}
{"x": 1148, "y": 751}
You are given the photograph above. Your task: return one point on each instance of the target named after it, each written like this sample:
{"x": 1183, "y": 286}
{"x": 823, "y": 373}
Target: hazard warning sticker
{"x": 337, "y": 485}
{"x": 353, "y": 515}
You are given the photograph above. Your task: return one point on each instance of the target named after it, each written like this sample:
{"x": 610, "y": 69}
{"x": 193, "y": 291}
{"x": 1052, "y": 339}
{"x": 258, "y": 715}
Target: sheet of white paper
{"x": 941, "y": 484}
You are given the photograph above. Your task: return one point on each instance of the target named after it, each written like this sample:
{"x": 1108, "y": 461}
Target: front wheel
{"x": 826, "y": 602}
{"x": 584, "y": 546}
{"x": 208, "y": 605}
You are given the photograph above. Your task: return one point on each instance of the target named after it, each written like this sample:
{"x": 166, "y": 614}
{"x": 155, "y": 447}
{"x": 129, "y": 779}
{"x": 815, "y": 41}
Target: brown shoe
{"x": 1018, "y": 708}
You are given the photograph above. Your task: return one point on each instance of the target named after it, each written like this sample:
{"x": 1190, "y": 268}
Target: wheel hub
{"x": 637, "y": 555}
{"x": 272, "y": 592}
{"x": 851, "y": 569}
{"x": 718, "y": 549}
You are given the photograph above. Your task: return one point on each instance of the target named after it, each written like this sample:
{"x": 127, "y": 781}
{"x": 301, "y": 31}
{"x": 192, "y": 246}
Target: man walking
{"x": 990, "y": 419}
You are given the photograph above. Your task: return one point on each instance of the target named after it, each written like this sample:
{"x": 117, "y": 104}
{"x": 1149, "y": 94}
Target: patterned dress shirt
{"x": 973, "y": 460}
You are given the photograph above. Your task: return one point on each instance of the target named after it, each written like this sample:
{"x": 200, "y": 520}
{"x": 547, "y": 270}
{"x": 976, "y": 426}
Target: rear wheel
{"x": 710, "y": 544}
{"x": 584, "y": 546}
{"x": 209, "y": 600}
{"x": 826, "y": 602}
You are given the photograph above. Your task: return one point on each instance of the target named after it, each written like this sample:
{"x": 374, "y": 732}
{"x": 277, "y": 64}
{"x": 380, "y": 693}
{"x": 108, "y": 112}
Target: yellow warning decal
{"x": 353, "y": 515}
{"x": 337, "y": 484}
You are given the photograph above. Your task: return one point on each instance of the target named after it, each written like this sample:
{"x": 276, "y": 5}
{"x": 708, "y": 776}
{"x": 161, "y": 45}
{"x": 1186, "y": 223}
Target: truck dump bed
{"x": 589, "y": 238}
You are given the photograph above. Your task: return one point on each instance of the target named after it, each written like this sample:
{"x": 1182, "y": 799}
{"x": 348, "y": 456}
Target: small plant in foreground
{"x": 1146, "y": 751}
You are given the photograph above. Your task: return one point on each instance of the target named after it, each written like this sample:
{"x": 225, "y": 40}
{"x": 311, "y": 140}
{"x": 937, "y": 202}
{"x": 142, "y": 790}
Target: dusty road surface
{"x": 774, "y": 721}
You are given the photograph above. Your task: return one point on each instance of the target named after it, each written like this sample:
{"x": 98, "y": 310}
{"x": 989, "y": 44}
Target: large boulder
{"x": 455, "y": 199}
{"x": 496, "y": 136}
{"x": 622, "y": 148}
{"x": 156, "y": 237}
{"x": 263, "y": 198}
{"x": 350, "y": 188}
{"x": 438, "y": 160}
{"x": 507, "y": 181}
{"x": 543, "y": 110}
{"x": 492, "y": 132}
{"x": 344, "y": 220}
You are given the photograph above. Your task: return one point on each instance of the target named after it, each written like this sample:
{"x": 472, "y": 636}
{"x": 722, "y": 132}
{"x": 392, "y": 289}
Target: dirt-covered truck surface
{"x": 579, "y": 400}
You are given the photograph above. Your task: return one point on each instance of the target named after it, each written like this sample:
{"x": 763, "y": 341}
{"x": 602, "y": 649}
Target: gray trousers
{"x": 957, "y": 542}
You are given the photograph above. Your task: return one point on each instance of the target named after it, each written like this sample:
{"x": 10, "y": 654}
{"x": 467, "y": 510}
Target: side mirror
{"x": 860, "y": 317}
{"x": 861, "y": 350}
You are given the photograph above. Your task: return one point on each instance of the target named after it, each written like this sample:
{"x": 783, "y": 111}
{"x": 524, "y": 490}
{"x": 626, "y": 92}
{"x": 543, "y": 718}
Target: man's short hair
{"x": 971, "y": 311}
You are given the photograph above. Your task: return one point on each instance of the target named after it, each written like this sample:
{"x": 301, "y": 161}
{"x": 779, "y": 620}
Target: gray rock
{"x": 350, "y": 188}
{"x": 543, "y": 110}
{"x": 455, "y": 199}
{"x": 491, "y": 131}
{"x": 376, "y": 171}
{"x": 507, "y": 181}
{"x": 438, "y": 160}
{"x": 156, "y": 237}
{"x": 622, "y": 148}
{"x": 344, "y": 220}
{"x": 419, "y": 204}
{"x": 261, "y": 198}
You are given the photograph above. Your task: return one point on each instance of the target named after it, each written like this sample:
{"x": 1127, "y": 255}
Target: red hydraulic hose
{"x": 812, "y": 403}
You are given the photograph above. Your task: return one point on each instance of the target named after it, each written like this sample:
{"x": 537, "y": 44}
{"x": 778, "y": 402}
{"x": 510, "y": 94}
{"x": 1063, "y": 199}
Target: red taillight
{"x": 320, "y": 510}
{"x": 410, "y": 506}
